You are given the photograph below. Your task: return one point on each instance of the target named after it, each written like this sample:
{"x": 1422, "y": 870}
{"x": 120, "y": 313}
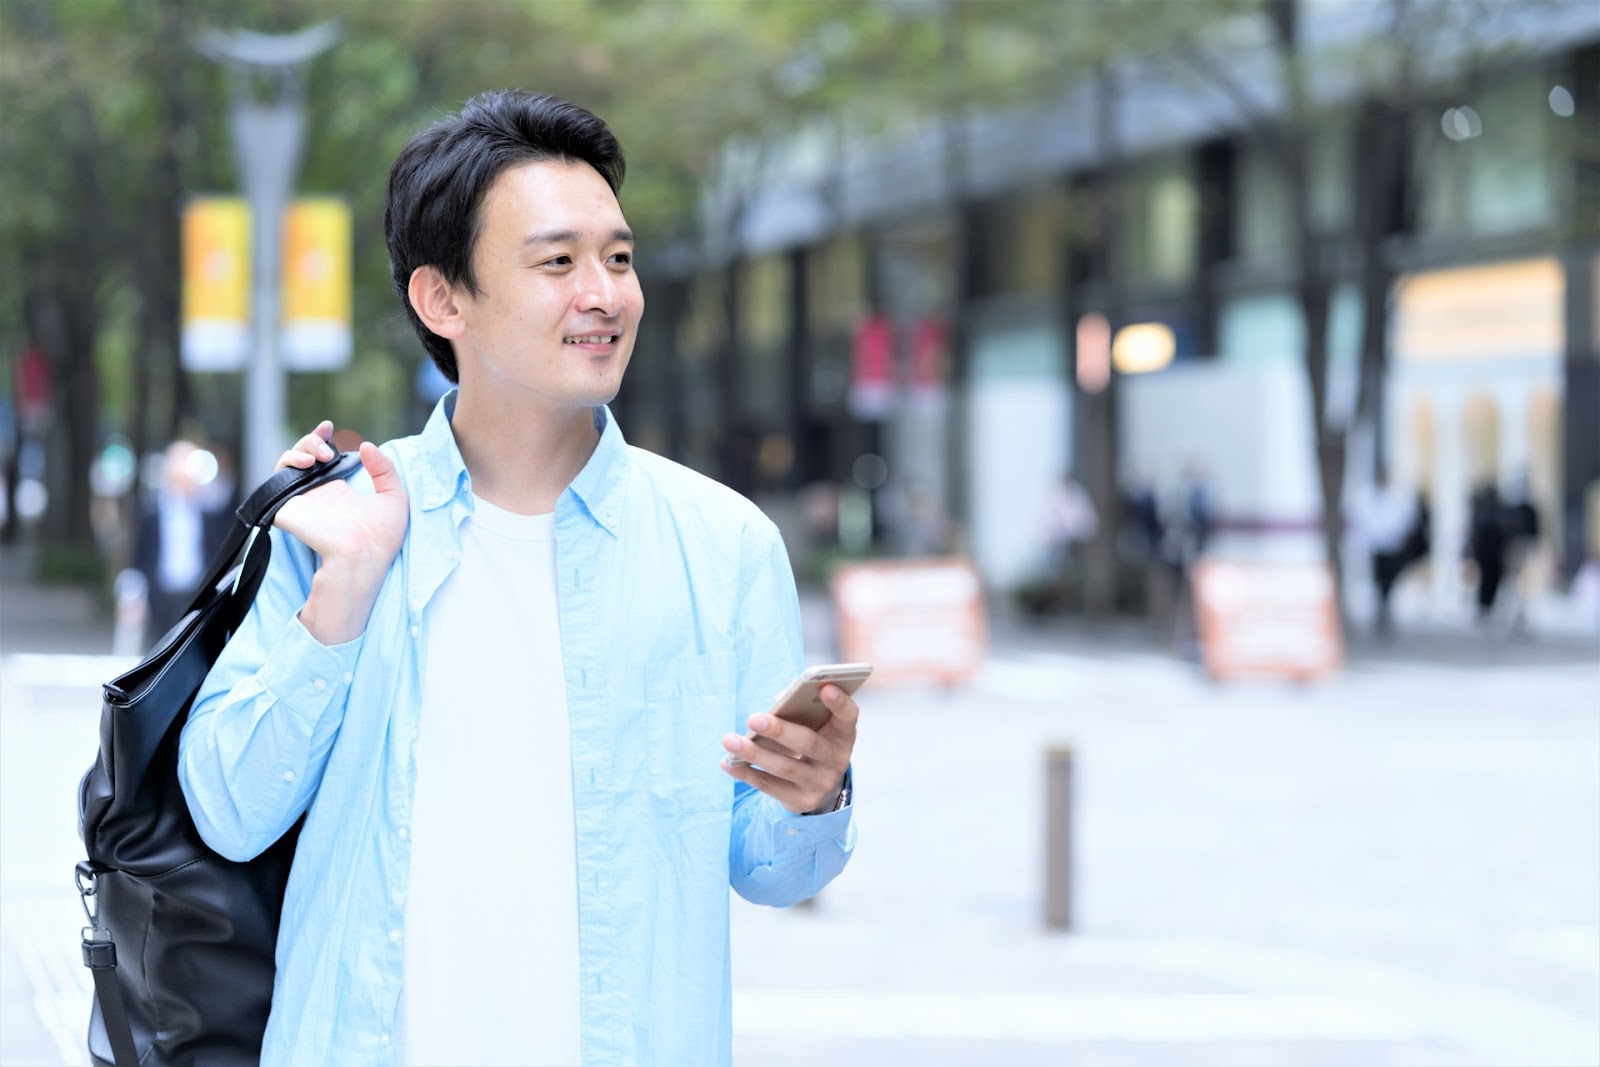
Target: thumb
{"x": 385, "y": 479}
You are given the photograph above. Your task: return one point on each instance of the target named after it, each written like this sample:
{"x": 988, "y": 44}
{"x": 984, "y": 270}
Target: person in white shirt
{"x": 1385, "y": 522}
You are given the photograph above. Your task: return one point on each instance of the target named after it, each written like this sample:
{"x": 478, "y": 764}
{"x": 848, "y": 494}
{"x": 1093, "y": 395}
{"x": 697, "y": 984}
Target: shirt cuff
{"x": 303, "y": 674}
{"x": 808, "y": 831}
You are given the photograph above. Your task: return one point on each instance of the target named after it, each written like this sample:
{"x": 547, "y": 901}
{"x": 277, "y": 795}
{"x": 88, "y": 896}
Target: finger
{"x": 845, "y": 710}
{"x": 316, "y": 443}
{"x": 296, "y": 458}
{"x": 795, "y": 799}
{"x": 791, "y": 766}
{"x": 385, "y": 479}
{"x": 791, "y": 735}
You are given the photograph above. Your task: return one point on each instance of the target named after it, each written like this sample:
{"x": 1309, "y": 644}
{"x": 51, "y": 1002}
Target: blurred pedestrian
{"x": 1194, "y": 515}
{"x": 1521, "y": 518}
{"x": 453, "y": 712}
{"x": 1142, "y": 529}
{"x": 1487, "y": 538}
{"x": 1188, "y": 534}
{"x": 1070, "y": 521}
{"x": 1385, "y": 522}
{"x": 180, "y": 526}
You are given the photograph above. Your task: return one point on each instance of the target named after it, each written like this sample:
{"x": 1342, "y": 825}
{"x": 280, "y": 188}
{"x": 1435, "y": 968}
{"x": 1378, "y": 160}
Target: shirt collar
{"x": 597, "y": 487}
{"x": 444, "y": 472}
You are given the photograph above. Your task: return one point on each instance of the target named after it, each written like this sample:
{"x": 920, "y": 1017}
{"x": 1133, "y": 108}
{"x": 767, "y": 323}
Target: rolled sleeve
{"x": 304, "y": 675}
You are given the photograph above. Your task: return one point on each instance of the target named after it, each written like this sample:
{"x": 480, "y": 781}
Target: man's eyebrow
{"x": 556, "y": 237}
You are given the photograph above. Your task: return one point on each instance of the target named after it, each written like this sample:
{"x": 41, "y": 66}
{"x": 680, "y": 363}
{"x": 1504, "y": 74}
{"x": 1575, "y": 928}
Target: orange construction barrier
{"x": 1267, "y": 619}
{"x": 913, "y": 620}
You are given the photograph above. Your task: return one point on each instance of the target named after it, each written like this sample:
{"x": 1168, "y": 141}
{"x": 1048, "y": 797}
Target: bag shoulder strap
{"x": 255, "y": 514}
{"x": 259, "y": 509}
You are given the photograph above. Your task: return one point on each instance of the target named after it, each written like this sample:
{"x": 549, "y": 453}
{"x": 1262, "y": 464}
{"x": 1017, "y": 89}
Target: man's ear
{"x": 434, "y": 301}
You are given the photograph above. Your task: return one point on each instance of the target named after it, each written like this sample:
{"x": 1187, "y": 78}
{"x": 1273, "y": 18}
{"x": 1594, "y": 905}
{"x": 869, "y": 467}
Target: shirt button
{"x": 318, "y": 684}
{"x": 394, "y": 935}
{"x": 348, "y": 677}
{"x": 791, "y": 832}
{"x": 383, "y": 1039}
{"x": 403, "y": 833}
{"x": 288, "y": 776}
{"x": 416, "y": 631}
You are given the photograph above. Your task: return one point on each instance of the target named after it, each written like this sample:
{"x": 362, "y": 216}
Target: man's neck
{"x": 519, "y": 460}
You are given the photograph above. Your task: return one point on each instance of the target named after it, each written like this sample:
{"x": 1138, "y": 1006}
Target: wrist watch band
{"x": 839, "y": 802}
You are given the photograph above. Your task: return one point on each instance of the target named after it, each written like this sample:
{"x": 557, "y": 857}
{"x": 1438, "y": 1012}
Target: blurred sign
{"x": 1492, "y": 311}
{"x": 316, "y": 284}
{"x": 1267, "y": 619}
{"x": 216, "y": 283}
{"x": 929, "y": 356}
{"x": 913, "y": 620}
{"x": 872, "y": 383}
{"x": 33, "y": 387}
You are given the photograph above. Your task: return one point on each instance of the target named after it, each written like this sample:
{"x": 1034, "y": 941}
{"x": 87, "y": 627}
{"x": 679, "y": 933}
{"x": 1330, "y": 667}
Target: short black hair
{"x": 439, "y": 180}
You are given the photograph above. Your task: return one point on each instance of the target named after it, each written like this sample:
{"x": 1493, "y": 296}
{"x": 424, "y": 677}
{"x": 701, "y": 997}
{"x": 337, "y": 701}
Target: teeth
{"x": 593, "y": 339}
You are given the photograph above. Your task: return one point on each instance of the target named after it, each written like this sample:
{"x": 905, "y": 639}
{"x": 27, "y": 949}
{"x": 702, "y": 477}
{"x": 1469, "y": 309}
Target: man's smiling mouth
{"x": 593, "y": 339}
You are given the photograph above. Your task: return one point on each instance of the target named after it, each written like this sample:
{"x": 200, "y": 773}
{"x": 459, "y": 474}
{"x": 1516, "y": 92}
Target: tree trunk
{"x": 66, "y": 327}
{"x": 1099, "y": 468}
{"x": 1313, "y": 287}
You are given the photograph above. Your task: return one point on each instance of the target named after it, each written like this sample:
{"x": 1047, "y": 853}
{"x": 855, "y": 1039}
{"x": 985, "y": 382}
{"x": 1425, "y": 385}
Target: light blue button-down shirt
{"x": 678, "y": 620}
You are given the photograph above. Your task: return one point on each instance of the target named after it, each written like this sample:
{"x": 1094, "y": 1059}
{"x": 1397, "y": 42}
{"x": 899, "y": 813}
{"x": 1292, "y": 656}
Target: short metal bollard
{"x": 1058, "y": 838}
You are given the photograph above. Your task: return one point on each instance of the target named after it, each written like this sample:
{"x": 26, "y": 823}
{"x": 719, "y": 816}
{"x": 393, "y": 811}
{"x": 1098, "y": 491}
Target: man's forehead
{"x": 554, "y": 197}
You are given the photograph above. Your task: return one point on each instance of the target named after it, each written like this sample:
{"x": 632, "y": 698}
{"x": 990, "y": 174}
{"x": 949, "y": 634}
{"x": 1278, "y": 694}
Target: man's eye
{"x": 625, "y": 258}
{"x": 558, "y": 261}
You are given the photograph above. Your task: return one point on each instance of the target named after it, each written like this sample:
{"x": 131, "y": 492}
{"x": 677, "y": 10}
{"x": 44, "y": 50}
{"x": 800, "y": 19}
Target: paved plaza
{"x": 1397, "y": 866}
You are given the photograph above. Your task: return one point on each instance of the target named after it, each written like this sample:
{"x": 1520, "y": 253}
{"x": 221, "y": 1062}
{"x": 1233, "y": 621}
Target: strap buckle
{"x": 98, "y": 950}
{"x": 85, "y": 876}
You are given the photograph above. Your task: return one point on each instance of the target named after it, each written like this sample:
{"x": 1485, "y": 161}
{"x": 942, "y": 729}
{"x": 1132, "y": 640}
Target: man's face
{"x": 558, "y": 301}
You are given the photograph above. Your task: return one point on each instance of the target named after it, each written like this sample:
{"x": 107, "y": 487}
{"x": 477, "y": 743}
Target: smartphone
{"x": 802, "y": 702}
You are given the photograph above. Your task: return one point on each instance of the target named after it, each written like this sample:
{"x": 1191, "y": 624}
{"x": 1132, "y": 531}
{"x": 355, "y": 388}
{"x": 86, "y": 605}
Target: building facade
{"x": 933, "y": 301}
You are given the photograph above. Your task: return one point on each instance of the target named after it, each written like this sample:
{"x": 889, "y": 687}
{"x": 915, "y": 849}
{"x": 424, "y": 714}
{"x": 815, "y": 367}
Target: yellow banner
{"x": 316, "y": 284}
{"x": 216, "y": 283}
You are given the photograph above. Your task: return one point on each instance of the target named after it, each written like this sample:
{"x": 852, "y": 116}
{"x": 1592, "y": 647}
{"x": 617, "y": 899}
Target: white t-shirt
{"x": 491, "y": 955}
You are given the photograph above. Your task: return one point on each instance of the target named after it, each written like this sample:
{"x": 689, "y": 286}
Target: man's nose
{"x": 600, "y": 291}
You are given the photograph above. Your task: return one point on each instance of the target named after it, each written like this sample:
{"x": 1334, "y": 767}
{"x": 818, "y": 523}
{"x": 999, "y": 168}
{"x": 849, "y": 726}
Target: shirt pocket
{"x": 688, "y": 707}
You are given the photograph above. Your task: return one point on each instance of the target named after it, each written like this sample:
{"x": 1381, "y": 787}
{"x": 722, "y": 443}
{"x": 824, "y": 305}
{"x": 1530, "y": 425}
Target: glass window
{"x": 836, "y": 285}
{"x": 1487, "y": 163}
{"x": 1023, "y": 243}
{"x": 764, "y": 302}
{"x": 1160, "y": 220}
{"x": 1262, "y": 220}
{"x": 702, "y": 328}
{"x": 763, "y": 324}
{"x": 1264, "y": 226}
{"x": 1331, "y": 176}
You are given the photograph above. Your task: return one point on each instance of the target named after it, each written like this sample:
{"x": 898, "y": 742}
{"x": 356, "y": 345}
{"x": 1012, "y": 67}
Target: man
{"x": 499, "y": 671}
{"x": 180, "y": 526}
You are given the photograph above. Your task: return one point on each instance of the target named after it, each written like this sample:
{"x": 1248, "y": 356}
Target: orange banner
{"x": 316, "y": 284}
{"x": 216, "y": 283}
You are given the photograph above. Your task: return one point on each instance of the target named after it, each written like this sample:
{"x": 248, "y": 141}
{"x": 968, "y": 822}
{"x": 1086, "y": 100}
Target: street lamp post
{"x": 268, "y": 122}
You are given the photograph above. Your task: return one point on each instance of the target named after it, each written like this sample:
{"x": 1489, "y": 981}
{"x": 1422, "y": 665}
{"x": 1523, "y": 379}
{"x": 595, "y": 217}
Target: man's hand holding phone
{"x": 798, "y": 752}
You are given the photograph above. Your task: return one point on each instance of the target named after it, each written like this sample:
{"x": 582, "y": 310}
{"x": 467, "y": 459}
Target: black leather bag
{"x": 180, "y": 940}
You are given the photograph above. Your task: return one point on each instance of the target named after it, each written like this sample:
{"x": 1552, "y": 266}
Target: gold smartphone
{"x": 802, "y": 702}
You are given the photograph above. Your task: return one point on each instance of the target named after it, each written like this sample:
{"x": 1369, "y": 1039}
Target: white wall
{"x": 1249, "y": 427}
{"x": 1020, "y": 420}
